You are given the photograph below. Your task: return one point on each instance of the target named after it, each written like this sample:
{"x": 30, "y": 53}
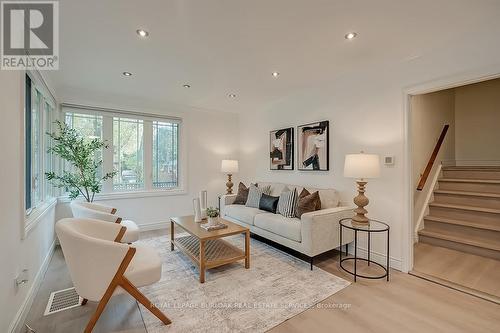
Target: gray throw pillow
{"x": 254, "y": 195}
{"x": 287, "y": 203}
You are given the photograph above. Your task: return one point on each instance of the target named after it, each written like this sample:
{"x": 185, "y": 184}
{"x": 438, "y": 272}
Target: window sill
{"x": 131, "y": 195}
{"x": 31, "y": 220}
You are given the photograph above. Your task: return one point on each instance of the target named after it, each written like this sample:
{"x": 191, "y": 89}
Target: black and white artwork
{"x": 313, "y": 147}
{"x": 281, "y": 149}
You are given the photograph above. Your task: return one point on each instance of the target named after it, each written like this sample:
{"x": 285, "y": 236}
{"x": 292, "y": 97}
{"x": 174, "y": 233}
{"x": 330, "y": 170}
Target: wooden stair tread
{"x": 463, "y": 223}
{"x": 466, "y": 180}
{"x": 486, "y": 244}
{"x": 471, "y": 194}
{"x": 472, "y": 168}
{"x": 464, "y": 207}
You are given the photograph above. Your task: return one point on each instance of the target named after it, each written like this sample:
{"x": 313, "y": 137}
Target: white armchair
{"x": 90, "y": 210}
{"x": 100, "y": 266}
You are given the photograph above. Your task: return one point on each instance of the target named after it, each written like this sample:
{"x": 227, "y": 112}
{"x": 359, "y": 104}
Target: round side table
{"x": 374, "y": 227}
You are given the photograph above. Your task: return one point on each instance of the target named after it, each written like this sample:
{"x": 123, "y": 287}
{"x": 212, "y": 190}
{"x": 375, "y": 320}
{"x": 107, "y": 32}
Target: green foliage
{"x": 80, "y": 153}
{"x": 212, "y": 212}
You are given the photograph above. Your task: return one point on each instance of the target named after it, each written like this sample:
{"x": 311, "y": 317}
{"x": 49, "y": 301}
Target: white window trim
{"x": 35, "y": 214}
{"x": 147, "y": 191}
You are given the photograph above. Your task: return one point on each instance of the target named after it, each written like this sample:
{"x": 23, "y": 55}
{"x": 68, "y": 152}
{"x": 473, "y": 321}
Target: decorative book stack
{"x": 208, "y": 227}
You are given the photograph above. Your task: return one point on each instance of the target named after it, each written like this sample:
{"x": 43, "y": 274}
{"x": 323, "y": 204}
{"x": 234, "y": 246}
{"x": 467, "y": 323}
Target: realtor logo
{"x": 30, "y": 35}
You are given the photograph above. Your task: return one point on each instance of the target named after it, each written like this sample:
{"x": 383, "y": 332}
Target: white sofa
{"x": 314, "y": 233}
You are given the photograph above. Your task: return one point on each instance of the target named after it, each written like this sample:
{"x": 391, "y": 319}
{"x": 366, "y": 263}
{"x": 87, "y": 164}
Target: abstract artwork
{"x": 314, "y": 146}
{"x": 281, "y": 149}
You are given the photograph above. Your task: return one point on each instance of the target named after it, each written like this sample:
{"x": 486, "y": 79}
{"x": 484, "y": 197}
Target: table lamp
{"x": 229, "y": 167}
{"x": 361, "y": 166}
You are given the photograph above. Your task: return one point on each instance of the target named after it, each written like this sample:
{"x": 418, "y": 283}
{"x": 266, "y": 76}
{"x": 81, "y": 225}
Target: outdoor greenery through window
{"x": 145, "y": 150}
{"x": 38, "y": 117}
{"x": 128, "y": 157}
{"x": 165, "y": 152}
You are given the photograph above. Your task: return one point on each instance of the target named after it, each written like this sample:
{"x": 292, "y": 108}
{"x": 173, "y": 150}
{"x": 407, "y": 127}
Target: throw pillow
{"x": 254, "y": 195}
{"x": 308, "y": 203}
{"x": 242, "y": 195}
{"x": 268, "y": 203}
{"x": 287, "y": 203}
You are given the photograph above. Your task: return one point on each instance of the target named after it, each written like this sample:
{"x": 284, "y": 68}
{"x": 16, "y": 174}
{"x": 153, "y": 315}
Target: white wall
{"x": 209, "y": 137}
{"x": 429, "y": 113}
{"x": 477, "y": 112}
{"x": 366, "y": 109}
{"x": 16, "y": 254}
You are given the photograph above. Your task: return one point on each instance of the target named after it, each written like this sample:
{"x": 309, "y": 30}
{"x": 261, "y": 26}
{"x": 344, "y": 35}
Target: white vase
{"x": 197, "y": 210}
{"x": 213, "y": 221}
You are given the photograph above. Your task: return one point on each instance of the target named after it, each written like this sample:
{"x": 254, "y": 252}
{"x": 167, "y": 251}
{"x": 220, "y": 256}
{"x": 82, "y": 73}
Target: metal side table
{"x": 374, "y": 227}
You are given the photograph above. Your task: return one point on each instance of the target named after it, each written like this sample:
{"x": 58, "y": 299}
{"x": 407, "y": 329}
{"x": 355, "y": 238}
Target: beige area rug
{"x": 234, "y": 299}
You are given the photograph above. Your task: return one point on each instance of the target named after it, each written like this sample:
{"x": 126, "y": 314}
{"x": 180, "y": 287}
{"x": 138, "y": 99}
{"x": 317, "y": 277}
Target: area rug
{"x": 234, "y": 299}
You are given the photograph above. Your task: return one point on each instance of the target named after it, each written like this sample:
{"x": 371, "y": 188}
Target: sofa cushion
{"x": 280, "y": 225}
{"x": 242, "y": 213}
{"x": 287, "y": 203}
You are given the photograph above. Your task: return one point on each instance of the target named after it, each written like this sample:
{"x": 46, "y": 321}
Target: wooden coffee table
{"x": 207, "y": 248}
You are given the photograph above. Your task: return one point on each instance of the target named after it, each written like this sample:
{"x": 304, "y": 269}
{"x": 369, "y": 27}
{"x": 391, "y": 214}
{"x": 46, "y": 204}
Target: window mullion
{"x": 148, "y": 154}
{"x": 107, "y": 154}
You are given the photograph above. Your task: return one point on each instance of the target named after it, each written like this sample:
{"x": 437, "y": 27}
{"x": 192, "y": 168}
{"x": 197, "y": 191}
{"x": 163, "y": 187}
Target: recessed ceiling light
{"x": 186, "y": 86}
{"x": 350, "y": 35}
{"x": 275, "y": 74}
{"x": 127, "y": 74}
{"x": 232, "y": 95}
{"x": 142, "y": 33}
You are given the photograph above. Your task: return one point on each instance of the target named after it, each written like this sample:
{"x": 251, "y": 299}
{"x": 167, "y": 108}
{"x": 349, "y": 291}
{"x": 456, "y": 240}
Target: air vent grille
{"x": 62, "y": 300}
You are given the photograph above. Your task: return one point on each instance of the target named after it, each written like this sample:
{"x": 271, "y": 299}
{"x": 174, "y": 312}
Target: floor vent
{"x": 62, "y": 300}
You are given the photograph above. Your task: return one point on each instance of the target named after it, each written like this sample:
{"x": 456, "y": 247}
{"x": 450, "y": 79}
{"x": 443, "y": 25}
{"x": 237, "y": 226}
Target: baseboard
{"x": 153, "y": 226}
{"x": 19, "y": 319}
{"x": 378, "y": 257}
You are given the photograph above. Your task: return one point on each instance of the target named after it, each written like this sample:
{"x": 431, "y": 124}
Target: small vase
{"x": 213, "y": 221}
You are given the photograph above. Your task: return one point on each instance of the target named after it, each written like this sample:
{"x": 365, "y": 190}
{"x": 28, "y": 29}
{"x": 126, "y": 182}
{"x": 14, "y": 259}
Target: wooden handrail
{"x": 435, "y": 152}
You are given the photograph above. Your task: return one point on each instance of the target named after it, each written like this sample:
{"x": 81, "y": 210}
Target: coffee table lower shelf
{"x": 216, "y": 252}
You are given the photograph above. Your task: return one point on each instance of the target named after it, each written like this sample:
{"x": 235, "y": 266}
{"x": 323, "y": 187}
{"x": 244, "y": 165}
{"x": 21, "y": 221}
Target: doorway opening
{"x": 455, "y": 145}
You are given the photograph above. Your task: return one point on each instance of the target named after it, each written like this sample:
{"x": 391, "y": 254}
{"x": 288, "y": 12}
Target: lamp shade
{"x": 229, "y": 166}
{"x": 362, "y": 166}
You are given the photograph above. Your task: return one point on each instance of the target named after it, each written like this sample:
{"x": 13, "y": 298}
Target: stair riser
{"x": 454, "y": 228}
{"x": 469, "y": 187}
{"x": 464, "y": 215}
{"x": 455, "y": 199}
{"x": 471, "y": 174}
{"x": 460, "y": 247}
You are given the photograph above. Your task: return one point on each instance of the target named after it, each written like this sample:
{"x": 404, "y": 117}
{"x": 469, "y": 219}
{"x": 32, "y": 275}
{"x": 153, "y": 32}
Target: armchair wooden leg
{"x": 134, "y": 292}
{"x": 122, "y": 281}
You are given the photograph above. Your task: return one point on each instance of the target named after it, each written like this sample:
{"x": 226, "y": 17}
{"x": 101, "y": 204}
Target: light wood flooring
{"x": 465, "y": 269}
{"x": 404, "y": 304}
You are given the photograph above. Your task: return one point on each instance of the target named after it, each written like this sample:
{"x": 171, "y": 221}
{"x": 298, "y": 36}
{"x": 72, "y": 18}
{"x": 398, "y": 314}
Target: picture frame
{"x": 314, "y": 146}
{"x": 281, "y": 149}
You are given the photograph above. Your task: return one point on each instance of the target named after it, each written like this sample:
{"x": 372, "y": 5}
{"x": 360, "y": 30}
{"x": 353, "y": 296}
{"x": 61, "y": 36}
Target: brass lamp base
{"x": 229, "y": 184}
{"x": 361, "y": 201}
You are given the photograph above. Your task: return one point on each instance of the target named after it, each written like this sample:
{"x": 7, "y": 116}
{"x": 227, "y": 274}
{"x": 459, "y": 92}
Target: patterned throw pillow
{"x": 287, "y": 203}
{"x": 307, "y": 202}
{"x": 254, "y": 195}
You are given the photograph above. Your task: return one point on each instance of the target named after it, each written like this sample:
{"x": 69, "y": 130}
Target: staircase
{"x": 465, "y": 213}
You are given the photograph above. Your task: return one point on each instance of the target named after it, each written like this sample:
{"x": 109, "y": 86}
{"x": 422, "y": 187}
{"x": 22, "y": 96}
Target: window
{"x": 128, "y": 157}
{"x": 165, "y": 153}
{"x": 39, "y": 114}
{"x": 144, "y": 150}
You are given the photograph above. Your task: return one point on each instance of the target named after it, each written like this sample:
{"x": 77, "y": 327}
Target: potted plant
{"x": 81, "y": 175}
{"x": 212, "y": 214}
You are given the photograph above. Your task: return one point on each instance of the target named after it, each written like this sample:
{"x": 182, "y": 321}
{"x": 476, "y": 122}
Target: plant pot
{"x": 213, "y": 221}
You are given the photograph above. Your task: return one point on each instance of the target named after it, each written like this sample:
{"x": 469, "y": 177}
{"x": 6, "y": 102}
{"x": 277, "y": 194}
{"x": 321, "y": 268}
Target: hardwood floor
{"x": 465, "y": 269}
{"x": 404, "y": 304}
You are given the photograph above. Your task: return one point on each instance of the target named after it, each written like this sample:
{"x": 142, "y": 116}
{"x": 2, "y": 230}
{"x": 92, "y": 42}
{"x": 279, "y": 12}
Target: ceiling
{"x": 221, "y": 47}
